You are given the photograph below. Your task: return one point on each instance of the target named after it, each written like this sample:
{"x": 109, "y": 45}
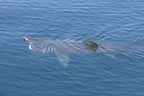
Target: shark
{"x": 63, "y": 49}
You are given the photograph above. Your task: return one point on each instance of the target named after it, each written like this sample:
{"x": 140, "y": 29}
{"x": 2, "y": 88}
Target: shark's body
{"x": 63, "y": 49}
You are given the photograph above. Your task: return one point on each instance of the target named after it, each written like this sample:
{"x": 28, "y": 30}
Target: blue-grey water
{"x": 26, "y": 73}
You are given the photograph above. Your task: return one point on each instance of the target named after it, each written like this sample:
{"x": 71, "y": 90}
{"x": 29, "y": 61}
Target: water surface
{"x": 26, "y": 73}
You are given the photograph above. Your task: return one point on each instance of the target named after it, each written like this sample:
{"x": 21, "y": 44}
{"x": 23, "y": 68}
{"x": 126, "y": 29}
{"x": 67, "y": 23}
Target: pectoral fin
{"x": 63, "y": 58}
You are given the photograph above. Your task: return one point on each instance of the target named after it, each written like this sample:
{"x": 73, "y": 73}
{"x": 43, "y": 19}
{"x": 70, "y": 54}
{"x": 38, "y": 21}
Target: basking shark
{"x": 63, "y": 49}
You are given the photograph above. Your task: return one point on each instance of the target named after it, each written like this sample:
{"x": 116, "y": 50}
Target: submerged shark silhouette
{"x": 63, "y": 49}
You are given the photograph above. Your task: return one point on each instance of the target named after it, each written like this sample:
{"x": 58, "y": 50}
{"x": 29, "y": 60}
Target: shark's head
{"x": 90, "y": 45}
{"x": 35, "y": 44}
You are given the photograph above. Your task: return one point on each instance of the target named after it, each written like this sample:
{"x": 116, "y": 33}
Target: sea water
{"x": 26, "y": 73}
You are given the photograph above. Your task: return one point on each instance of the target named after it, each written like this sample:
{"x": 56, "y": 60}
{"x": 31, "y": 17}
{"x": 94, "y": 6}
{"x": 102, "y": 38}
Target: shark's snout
{"x": 28, "y": 39}
{"x": 25, "y": 38}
